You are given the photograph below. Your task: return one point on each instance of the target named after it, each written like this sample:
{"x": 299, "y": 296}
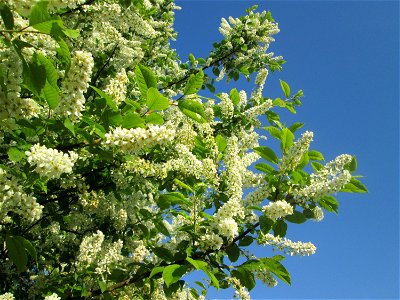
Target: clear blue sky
{"x": 345, "y": 57}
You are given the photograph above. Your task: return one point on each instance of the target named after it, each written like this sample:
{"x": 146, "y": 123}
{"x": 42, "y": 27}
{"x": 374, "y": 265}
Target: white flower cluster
{"x": 135, "y": 139}
{"x": 277, "y": 209}
{"x": 260, "y": 81}
{"x": 330, "y": 179}
{"x": 240, "y": 290}
{"x": 211, "y": 241}
{"x": 90, "y": 248}
{"x": 72, "y": 101}
{"x": 295, "y": 153}
{"x": 53, "y": 296}
{"x": 255, "y": 111}
{"x": 14, "y": 199}
{"x": 257, "y": 196}
{"x": 286, "y": 245}
{"x": 117, "y": 87}
{"x": 140, "y": 252}
{"x": 266, "y": 277}
{"x": 226, "y": 106}
{"x": 57, "y": 4}
{"x": 112, "y": 256}
{"x": 7, "y": 296}
{"x": 318, "y": 214}
{"x": 49, "y": 162}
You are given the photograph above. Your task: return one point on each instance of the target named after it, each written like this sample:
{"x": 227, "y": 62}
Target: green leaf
{"x": 51, "y": 95}
{"x": 245, "y": 277}
{"x": 354, "y": 186}
{"x": 280, "y": 228}
{"x": 163, "y": 253}
{"x": 160, "y": 226}
{"x": 267, "y": 153}
{"x": 265, "y": 224}
{"x": 7, "y": 16}
{"x": 315, "y": 155}
{"x": 352, "y": 166}
{"x": 28, "y": 247}
{"x": 297, "y": 217}
{"x": 221, "y": 143}
{"x": 16, "y": 252}
{"x": 295, "y": 126}
{"x": 246, "y": 241}
{"x": 109, "y": 101}
{"x": 169, "y": 199}
{"x": 194, "y": 83}
{"x": 155, "y": 100}
{"x": 173, "y": 273}
{"x": 15, "y": 155}
{"x": 274, "y": 266}
{"x": 287, "y": 138}
{"x": 285, "y": 88}
{"x": 154, "y": 118}
{"x": 145, "y": 79}
{"x": 266, "y": 168}
{"x": 317, "y": 166}
{"x": 71, "y": 33}
{"x": 102, "y": 285}
{"x": 37, "y": 77}
{"x": 193, "y": 110}
{"x": 69, "y": 125}
{"x": 234, "y": 95}
{"x": 329, "y": 203}
{"x": 182, "y": 185}
{"x": 63, "y": 53}
{"x": 41, "y": 20}
{"x": 233, "y": 252}
{"x": 156, "y": 270}
{"x": 51, "y": 72}
{"x": 202, "y": 265}
{"x": 132, "y": 120}
{"x": 274, "y": 131}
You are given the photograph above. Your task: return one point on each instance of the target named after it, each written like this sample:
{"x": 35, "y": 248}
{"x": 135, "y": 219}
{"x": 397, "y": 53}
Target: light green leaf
{"x": 285, "y": 88}
{"x": 7, "y": 16}
{"x": 287, "y": 138}
{"x": 169, "y": 199}
{"x": 51, "y": 94}
{"x": 266, "y": 168}
{"x": 295, "y": 126}
{"x": 102, "y": 285}
{"x": 315, "y": 155}
{"x": 202, "y": 265}
{"x": 194, "y": 83}
{"x": 51, "y": 72}
{"x": 173, "y": 273}
{"x": 329, "y": 203}
{"x": 182, "y": 185}
{"x": 267, "y": 153}
{"x": 193, "y": 110}
{"x": 354, "y": 186}
{"x": 317, "y": 166}
{"x": 154, "y": 118}
{"x": 155, "y": 100}
{"x": 274, "y": 266}
{"x": 156, "y": 270}
{"x": 132, "y": 120}
{"x": 15, "y": 155}
{"x": 352, "y": 166}
{"x": 145, "y": 79}
{"x": 69, "y": 125}
{"x": 63, "y": 53}
{"x": 221, "y": 143}
{"x": 274, "y": 131}
{"x": 234, "y": 95}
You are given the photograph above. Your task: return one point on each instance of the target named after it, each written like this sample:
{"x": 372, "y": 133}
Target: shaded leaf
{"x": 7, "y": 16}
{"x": 173, "y": 273}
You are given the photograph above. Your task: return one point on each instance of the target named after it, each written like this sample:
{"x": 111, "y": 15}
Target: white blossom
{"x": 286, "y": 245}
{"x": 277, "y": 209}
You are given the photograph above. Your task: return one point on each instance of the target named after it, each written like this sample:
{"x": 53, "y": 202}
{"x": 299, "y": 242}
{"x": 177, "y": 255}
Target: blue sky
{"x": 344, "y": 55}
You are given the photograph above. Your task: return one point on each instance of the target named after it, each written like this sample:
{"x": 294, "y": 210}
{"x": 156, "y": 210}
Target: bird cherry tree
{"x": 120, "y": 174}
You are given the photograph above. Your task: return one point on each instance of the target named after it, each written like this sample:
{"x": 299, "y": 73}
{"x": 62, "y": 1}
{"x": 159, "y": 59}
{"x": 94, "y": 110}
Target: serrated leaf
{"x": 193, "y": 110}
{"x": 354, "y": 186}
{"x": 315, "y": 155}
{"x": 63, "y": 53}
{"x": 132, "y": 120}
{"x": 267, "y": 153}
{"x": 329, "y": 203}
{"x": 155, "y": 100}
{"x": 154, "y": 118}
{"x": 109, "y": 101}
{"x": 163, "y": 253}
{"x": 145, "y": 79}
{"x": 280, "y": 228}
{"x": 352, "y": 166}
{"x": 173, "y": 273}
{"x": 245, "y": 277}
{"x": 265, "y": 224}
{"x": 15, "y": 155}
{"x": 274, "y": 131}
{"x": 295, "y": 126}
{"x": 182, "y": 185}
{"x": 51, "y": 95}
{"x": 51, "y": 72}
{"x": 202, "y": 265}
{"x": 234, "y": 96}
{"x": 16, "y": 252}
{"x": 317, "y": 166}
{"x": 285, "y": 88}
{"x": 7, "y": 16}
{"x": 266, "y": 168}
{"x": 194, "y": 83}
{"x": 274, "y": 266}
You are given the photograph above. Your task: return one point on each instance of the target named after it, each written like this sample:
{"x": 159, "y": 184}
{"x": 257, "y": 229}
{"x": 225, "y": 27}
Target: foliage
{"x": 119, "y": 176}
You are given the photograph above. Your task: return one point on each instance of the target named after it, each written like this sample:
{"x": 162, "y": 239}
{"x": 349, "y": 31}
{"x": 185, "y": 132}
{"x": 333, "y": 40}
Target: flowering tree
{"x": 118, "y": 176}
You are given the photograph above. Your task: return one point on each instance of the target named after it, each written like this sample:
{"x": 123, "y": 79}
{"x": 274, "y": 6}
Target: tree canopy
{"x": 120, "y": 174}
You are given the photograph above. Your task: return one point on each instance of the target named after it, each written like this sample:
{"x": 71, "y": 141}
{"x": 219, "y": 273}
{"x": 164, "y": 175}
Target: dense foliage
{"x": 118, "y": 176}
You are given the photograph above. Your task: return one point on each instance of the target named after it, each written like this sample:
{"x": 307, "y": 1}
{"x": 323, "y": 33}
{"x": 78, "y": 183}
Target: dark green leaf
{"x": 352, "y": 166}
{"x": 28, "y": 247}
{"x": 280, "y": 228}
{"x": 69, "y": 125}
{"x": 173, "y": 273}
{"x": 155, "y": 100}
{"x": 315, "y": 155}
{"x": 110, "y": 102}
{"x": 15, "y": 155}
{"x": 194, "y": 83}
{"x": 202, "y": 265}
{"x": 355, "y": 186}
{"x": 173, "y": 198}
{"x": 132, "y": 120}
{"x": 7, "y": 16}
{"x": 163, "y": 253}
{"x": 160, "y": 226}
{"x": 16, "y": 252}
{"x": 233, "y": 252}
{"x": 267, "y": 153}
{"x": 285, "y": 88}
{"x": 245, "y": 277}
{"x": 246, "y": 241}
{"x": 265, "y": 224}
{"x": 297, "y": 217}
